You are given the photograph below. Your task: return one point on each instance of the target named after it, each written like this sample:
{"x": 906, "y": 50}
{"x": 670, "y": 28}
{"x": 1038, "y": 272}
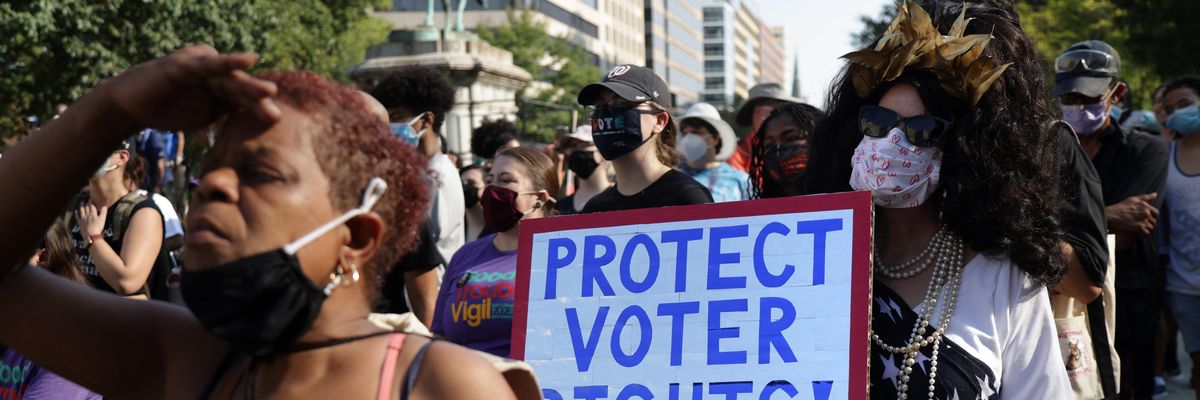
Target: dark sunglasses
{"x": 921, "y": 130}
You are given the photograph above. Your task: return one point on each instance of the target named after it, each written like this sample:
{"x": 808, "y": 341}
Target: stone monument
{"x": 487, "y": 81}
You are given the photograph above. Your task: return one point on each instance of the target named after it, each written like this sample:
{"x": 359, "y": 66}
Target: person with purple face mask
{"x": 475, "y": 303}
{"x": 1133, "y": 169}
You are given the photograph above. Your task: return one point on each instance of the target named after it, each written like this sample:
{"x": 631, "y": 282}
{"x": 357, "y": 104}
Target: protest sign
{"x": 766, "y": 299}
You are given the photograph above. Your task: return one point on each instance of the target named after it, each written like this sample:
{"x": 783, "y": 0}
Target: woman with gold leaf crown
{"x": 942, "y": 120}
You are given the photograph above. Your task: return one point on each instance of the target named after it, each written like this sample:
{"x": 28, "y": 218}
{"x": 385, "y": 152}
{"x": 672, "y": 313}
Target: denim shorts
{"x": 1186, "y": 308}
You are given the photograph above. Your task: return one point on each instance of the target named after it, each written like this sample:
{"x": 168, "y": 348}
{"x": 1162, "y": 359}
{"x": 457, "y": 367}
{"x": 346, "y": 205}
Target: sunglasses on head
{"x": 1085, "y": 60}
{"x": 920, "y": 130}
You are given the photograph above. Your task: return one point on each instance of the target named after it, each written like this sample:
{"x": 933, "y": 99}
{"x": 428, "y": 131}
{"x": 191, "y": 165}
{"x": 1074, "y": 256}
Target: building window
{"x": 714, "y": 32}
{"x": 714, "y": 83}
{"x": 713, "y": 15}
{"x": 564, "y": 16}
{"x": 714, "y": 50}
{"x": 714, "y": 66}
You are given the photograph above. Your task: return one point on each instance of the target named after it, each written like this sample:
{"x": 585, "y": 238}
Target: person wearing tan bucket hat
{"x": 706, "y": 142}
{"x": 763, "y": 99}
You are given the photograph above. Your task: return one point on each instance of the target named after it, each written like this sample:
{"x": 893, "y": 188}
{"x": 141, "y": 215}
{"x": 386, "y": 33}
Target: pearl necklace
{"x": 910, "y": 268}
{"x": 947, "y": 250}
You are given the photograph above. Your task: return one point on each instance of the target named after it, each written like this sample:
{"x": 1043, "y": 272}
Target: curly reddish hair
{"x": 353, "y": 146}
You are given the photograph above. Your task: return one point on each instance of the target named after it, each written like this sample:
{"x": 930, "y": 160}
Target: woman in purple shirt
{"x": 475, "y": 305}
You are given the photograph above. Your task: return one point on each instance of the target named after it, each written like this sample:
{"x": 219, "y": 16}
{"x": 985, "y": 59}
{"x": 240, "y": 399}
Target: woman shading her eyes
{"x": 304, "y": 202}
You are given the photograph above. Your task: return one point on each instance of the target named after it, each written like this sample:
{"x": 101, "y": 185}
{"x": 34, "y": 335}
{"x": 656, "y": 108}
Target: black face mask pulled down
{"x": 618, "y": 130}
{"x": 260, "y": 305}
{"x": 582, "y": 163}
{"x": 783, "y": 170}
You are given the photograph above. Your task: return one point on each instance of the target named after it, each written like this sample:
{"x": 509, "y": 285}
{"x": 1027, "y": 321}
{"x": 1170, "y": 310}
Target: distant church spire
{"x": 796, "y": 78}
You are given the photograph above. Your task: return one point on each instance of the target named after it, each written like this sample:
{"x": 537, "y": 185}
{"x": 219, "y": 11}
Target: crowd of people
{"x": 1025, "y": 246}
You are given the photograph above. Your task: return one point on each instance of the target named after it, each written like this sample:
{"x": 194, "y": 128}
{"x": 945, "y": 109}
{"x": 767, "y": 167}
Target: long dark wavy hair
{"x": 803, "y": 115}
{"x": 999, "y": 174}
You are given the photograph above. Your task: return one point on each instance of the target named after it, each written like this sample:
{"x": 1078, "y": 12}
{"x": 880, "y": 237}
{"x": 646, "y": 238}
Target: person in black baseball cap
{"x": 1132, "y": 168}
{"x": 628, "y": 110}
{"x": 1087, "y": 83}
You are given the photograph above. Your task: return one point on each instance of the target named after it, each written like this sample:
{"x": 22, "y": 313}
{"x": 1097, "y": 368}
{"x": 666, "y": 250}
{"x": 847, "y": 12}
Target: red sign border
{"x": 860, "y": 287}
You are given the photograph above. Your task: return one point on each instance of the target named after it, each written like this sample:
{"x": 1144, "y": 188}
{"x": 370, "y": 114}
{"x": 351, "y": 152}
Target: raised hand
{"x": 189, "y": 89}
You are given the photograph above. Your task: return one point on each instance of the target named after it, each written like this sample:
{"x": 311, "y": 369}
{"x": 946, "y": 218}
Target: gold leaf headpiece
{"x": 912, "y": 42}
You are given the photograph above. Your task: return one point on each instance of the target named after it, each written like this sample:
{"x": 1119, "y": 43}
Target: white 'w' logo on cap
{"x": 618, "y": 71}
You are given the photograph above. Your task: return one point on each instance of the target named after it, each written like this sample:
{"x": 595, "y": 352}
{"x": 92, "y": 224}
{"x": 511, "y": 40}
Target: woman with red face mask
{"x": 475, "y": 304}
{"x": 779, "y": 154}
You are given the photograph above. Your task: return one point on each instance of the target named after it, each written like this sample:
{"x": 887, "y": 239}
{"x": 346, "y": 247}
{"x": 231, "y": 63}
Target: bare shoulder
{"x": 450, "y": 371}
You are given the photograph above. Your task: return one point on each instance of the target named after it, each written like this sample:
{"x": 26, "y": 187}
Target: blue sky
{"x": 819, "y": 32}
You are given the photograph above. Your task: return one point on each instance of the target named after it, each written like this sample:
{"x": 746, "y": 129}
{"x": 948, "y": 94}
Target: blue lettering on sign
{"x": 716, "y": 332}
{"x": 591, "y": 392}
{"x": 775, "y": 386}
{"x": 592, "y": 272}
{"x": 697, "y": 391}
{"x": 627, "y": 280}
{"x": 819, "y": 229}
{"x": 585, "y": 351}
{"x": 639, "y": 354}
{"x": 726, "y": 269}
{"x": 716, "y": 258}
{"x": 760, "y": 265}
{"x": 681, "y": 238}
{"x": 770, "y": 332}
{"x": 640, "y": 391}
{"x": 731, "y": 390}
{"x": 557, "y": 263}
{"x": 677, "y": 311}
{"x": 821, "y": 389}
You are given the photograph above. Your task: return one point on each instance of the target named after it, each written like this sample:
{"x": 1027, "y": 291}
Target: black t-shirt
{"x": 1085, "y": 229}
{"x": 565, "y": 206}
{"x": 672, "y": 189}
{"x": 88, "y": 267}
{"x": 423, "y": 258}
{"x": 1130, "y": 164}
{"x": 1084, "y": 226}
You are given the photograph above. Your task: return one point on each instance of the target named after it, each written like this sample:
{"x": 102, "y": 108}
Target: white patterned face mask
{"x": 898, "y": 174}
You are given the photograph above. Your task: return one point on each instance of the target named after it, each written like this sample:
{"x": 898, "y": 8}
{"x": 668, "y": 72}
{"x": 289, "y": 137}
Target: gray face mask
{"x": 104, "y": 169}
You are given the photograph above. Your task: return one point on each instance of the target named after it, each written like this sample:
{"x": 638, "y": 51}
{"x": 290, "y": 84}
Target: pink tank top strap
{"x": 389, "y": 366}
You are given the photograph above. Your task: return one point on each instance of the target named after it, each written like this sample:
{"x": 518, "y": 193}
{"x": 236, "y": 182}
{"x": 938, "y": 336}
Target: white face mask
{"x": 898, "y": 174}
{"x": 693, "y": 147}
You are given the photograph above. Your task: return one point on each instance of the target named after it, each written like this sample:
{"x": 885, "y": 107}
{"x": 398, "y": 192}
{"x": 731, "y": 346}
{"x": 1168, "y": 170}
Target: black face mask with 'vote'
{"x": 616, "y": 131}
{"x": 260, "y": 305}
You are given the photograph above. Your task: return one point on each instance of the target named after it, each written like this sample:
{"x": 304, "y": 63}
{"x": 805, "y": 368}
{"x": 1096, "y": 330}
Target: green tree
{"x": 52, "y": 51}
{"x": 1152, "y": 36}
{"x": 1161, "y": 35}
{"x": 324, "y": 36}
{"x": 1055, "y": 24}
{"x": 562, "y": 68}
